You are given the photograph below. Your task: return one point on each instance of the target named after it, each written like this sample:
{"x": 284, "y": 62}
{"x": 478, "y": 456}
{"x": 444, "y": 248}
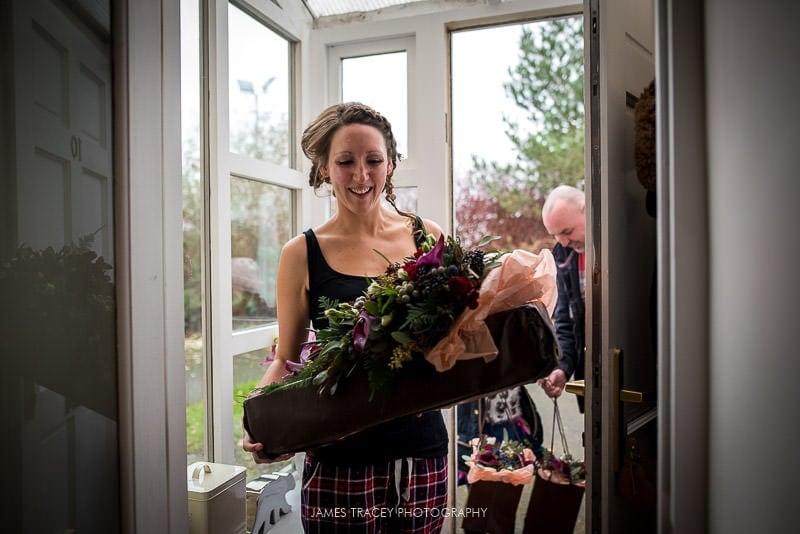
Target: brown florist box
{"x": 293, "y": 420}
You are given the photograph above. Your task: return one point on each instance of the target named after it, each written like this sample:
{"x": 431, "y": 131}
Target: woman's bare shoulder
{"x": 294, "y": 250}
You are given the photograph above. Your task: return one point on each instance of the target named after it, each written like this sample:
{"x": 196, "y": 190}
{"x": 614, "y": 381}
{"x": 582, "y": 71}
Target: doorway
{"x": 504, "y": 165}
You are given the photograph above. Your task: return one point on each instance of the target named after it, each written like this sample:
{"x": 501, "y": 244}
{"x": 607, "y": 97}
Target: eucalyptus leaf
{"x": 401, "y": 337}
{"x": 320, "y": 378}
{"x": 487, "y": 239}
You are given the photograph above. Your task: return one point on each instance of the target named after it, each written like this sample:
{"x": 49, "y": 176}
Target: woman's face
{"x": 357, "y": 167}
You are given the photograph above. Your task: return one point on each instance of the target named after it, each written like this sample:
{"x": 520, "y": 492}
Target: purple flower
{"x": 306, "y": 354}
{"x": 294, "y": 367}
{"x": 434, "y": 257}
{"x": 361, "y": 330}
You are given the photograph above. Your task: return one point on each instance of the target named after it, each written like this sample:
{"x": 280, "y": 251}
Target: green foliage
{"x": 547, "y": 84}
{"x": 195, "y": 427}
{"x": 402, "y": 314}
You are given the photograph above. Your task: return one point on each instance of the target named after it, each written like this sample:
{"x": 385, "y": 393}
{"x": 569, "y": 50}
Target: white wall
{"x": 753, "y": 188}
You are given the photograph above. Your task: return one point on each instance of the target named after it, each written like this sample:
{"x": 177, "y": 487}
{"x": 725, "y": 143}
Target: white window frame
{"x": 221, "y": 342}
{"x": 339, "y": 52}
{"x": 427, "y": 157}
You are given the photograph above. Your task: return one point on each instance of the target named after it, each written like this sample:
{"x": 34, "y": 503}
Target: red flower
{"x": 459, "y": 285}
{"x": 411, "y": 268}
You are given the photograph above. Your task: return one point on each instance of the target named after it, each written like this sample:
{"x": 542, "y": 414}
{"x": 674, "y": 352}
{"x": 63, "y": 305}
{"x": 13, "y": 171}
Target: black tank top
{"x": 411, "y": 436}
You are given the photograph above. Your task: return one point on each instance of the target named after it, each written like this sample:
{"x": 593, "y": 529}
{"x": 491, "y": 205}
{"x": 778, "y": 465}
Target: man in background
{"x": 564, "y": 216}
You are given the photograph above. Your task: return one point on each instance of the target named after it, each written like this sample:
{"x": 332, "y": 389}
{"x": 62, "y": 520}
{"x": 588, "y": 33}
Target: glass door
{"x": 240, "y": 206}
{"x": 57, "y": 259}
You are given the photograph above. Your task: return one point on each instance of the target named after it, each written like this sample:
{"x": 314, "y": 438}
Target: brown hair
{"x": 316, "y": 140}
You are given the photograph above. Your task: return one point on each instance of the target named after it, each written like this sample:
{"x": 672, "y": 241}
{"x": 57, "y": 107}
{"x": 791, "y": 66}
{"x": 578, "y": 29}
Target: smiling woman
{"x": 352, "y": 147}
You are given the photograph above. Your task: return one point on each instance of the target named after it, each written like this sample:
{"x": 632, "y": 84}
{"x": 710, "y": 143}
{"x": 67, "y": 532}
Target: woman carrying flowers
{"x": 392, "y": 476}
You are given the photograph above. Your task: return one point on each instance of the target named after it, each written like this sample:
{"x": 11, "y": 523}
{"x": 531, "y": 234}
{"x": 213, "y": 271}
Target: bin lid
{"x": 207, "y": 477}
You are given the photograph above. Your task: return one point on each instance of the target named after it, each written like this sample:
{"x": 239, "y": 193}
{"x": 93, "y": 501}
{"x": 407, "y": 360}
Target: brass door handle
{"x": 578, "y": 387}
{"x": 627, "y": 395}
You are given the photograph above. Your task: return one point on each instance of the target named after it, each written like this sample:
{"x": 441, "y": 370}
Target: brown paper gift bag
{"x": 554, "y": 504}
{"x": 553, "y": 507}
{"x": 493, "y": 507}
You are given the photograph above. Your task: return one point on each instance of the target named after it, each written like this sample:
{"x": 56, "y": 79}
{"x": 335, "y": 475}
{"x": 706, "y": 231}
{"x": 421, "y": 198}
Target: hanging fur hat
{"x": 645, "y": 137}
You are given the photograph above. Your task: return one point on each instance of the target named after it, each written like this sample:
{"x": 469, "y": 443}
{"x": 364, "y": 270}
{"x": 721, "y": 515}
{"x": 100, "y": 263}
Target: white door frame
{"x": 149, "y": 269}
{"x": 683, "y": 327}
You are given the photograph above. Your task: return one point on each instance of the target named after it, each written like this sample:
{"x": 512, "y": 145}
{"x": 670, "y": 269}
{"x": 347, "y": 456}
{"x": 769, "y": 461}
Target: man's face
{"x": 567, "y": 223}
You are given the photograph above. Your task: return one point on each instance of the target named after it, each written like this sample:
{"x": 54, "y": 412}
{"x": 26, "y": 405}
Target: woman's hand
{"x": 255, "y": 449}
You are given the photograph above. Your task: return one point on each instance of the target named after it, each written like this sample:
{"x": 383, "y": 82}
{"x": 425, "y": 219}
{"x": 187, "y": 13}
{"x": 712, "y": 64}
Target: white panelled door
{"x": 63, "y": 153}
{"x": 63, "y": 82}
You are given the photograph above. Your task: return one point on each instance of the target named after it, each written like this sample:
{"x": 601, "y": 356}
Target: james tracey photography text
{"x": 342, "y": 512}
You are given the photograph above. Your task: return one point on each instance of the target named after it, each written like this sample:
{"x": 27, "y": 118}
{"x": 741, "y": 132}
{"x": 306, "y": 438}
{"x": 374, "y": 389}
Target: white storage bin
{"x": 217, "y": 503}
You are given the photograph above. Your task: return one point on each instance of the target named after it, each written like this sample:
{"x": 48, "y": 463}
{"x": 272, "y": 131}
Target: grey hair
{"x": 564, "y": 193}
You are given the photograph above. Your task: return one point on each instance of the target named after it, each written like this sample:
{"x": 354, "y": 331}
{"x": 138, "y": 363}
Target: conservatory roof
{"x": 324, "y": 8}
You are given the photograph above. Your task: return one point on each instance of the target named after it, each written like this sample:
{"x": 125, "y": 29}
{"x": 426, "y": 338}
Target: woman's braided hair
{"x": 316, "y": 140}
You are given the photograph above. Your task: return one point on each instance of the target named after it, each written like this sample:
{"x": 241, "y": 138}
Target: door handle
{"x": 578, "y": 387}
{"x": 627, "y": 395}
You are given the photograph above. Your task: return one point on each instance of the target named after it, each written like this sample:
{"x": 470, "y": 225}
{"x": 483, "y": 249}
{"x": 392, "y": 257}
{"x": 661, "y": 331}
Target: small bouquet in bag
{"x": 507, "y": 461}
{"x": 497, "y": 472}
{"x": 562, "y": 469}
{"x": 558, "y": 489}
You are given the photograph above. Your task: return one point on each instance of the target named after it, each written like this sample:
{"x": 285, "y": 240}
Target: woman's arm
{"x": 292, "y": 306}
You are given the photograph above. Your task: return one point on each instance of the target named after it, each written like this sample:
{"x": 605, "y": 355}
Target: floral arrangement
{"x": 562, "y": 469}
{"x": 507, "y": 461}
{"x": 403, "y": 313}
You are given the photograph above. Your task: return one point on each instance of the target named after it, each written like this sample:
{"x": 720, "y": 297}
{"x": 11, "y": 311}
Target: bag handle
{"x": 557, "y": 422}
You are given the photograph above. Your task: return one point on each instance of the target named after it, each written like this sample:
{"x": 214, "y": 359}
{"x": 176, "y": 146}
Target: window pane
{"x": 364, "y": 79}
{"x": 194, "y": 353}
{"x": 261, "y": 222}
{"x": 259, "y": 85}
{"x": 406, "y": 198}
